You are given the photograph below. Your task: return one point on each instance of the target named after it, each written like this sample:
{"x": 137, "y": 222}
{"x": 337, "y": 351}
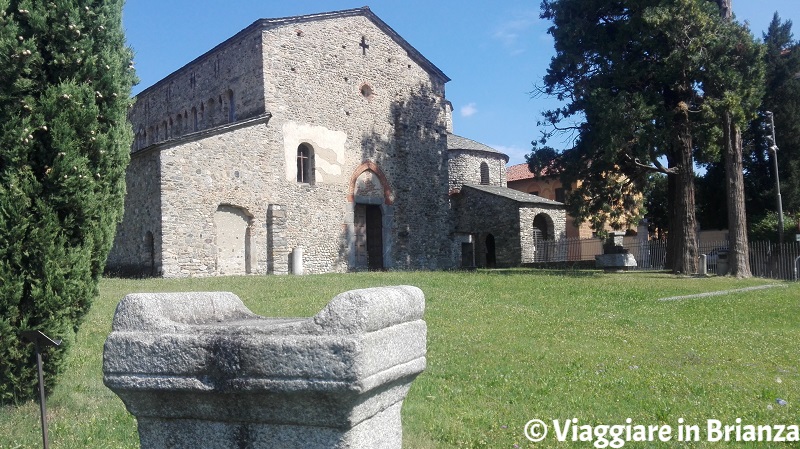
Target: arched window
{"x": 231, "y": 107}
{"x": 179, "y": 126}
{"x": 194, "y": 119}
{"x": 305, "y": 164}
{"x": 484, "y": 173}
{"x": 211, "y": 113}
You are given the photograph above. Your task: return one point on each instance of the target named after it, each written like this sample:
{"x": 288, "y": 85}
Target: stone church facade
{"x": 325, "y": 134}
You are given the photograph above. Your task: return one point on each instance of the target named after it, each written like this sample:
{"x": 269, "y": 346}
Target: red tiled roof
{"x": 517, "y": 172}
{"x": 521, "y": 171}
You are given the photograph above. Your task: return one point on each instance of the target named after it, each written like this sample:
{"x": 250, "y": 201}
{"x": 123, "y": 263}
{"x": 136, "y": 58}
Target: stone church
{"x": 321, "y": 141}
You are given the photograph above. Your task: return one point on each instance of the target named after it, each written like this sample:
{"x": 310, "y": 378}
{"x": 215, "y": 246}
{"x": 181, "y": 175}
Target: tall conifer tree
{"x": 65, "y": 84}
{"x": 636, "y": 77}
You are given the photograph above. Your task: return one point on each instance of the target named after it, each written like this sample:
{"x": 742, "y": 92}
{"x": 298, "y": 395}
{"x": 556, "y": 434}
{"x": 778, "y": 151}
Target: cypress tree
{"x": 65, "y": 82}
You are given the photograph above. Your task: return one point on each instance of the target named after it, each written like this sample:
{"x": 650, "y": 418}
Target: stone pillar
{"x": 297, "y": 261}
{"x": 277, "y": 244}
{"x": 199, "y": 370}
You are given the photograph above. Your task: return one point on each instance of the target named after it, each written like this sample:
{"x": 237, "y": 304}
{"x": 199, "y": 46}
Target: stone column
{"x": 277, "y": 245}
{"x": 199, "y": 370}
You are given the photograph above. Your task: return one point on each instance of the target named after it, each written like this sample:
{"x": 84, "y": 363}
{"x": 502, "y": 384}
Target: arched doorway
{"x": 232, "y": 230}
{"x": 491, "y": 257}
{"x": 540, "y": 227}
{"x": 542, "y": 234}
{"x": 372, "y": 200}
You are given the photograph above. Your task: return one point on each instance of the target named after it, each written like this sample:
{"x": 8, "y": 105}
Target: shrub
{"x": 766, "y": 228}
{"x": 65, "y": 81}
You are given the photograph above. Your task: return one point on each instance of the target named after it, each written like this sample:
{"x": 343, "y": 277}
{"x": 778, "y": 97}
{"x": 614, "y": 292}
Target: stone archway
{"x": 371, "y": 200}
{"x": 232, "y": 232}
{"x": 491, "y": 252}
{"x": 543, "y": 232}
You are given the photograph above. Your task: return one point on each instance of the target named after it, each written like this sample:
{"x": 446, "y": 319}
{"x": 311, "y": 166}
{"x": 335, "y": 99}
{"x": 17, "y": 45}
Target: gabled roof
{"x": 265, "y": 24}
{"x": 517, "y": 172}
{"x": 455, "y": 142}
{"x": 521, "y": 171}
{"x": 363, "y": 11}
{"x": 511, "y": 194}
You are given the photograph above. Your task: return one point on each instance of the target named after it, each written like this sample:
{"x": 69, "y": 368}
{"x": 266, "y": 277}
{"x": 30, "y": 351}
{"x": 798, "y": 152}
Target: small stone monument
{"x": 615, "y": 257}
{"x": 200, "y": 370}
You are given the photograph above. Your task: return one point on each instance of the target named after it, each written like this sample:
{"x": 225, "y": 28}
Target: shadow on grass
{"x": 542, "y": 272}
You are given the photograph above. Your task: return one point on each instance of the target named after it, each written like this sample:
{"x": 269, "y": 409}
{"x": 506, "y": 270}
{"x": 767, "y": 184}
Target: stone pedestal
{"x": 199, "y": 370}
{"x": 615, "y": 257}
{"x": 615, "y": 262}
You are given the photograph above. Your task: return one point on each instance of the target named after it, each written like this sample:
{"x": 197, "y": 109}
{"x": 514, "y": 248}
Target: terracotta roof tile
{"x": 517, "y": 172}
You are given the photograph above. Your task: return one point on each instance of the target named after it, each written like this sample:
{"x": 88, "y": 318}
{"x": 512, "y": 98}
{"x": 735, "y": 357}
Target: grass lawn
{"x": 505, "y": 347}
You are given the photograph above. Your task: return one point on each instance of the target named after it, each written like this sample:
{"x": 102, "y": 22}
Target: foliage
{"x": 765, "y": 229}
{"x": 65, "y": 80}
{"x": 782, "y": 97}
{"x": 644, "y": 80}
{"x": 504, "y": 347}
{"x": 655, "y": 203}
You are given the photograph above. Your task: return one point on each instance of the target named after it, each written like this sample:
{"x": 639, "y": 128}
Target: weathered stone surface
{"x": 621, "y": 261}
{"x": 201, "y": 370}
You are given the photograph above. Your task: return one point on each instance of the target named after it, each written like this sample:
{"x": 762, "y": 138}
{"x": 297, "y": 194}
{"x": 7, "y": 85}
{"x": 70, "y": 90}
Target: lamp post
{"x": 773, "y": 148}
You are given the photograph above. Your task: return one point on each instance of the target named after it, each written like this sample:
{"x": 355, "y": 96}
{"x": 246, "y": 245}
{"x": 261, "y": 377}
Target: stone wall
{"x": 347, "y": 88}
{"x": 219, "y": 87}
{"x": 509, "y": 222}
{"x": 481, "y": 214}
{"x": 464, "y": 167}
{"x": 137, "y": 244}
{"x": 347, "y": 76}
{"x": 557, "y": 228}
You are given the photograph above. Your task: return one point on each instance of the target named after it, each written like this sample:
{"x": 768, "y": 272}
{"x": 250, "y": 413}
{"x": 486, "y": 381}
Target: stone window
{"x": 231, "y": 108}
{"x": 194, "y": 119}
{"x": 484, "y": 174}
{"x": 212, "y": 112}
{"x": 305, "y": 164}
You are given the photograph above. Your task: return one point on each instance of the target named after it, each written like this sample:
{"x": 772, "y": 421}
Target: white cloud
{"x": 469, "y": 110}
{"x": 516, "y": 155}
{"x": 511, "y": 34}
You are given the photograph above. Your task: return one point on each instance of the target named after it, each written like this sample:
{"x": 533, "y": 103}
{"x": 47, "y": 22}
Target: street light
{"x": 773, "y": 148}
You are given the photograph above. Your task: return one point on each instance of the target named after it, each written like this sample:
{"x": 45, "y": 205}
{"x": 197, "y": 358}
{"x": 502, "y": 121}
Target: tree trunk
{"x": 683, "y": 224}
{"x": 738, "y": 249}
{"x": 672, "y": 231}
{"x": 725, "y": 8}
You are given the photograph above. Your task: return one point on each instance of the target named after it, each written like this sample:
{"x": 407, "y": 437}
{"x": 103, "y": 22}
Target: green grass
{"x": 505, "y": 347}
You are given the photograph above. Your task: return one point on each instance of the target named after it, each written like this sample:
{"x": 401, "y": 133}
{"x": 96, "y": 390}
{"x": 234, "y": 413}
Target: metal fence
{"x": 768, "y": 260}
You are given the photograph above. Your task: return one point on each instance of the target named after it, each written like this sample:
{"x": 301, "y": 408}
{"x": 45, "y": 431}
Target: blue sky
{"x": 494, "y": 52}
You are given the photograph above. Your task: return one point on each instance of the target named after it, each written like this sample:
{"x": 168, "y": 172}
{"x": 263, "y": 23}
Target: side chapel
{"x": 326, "y": 134}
